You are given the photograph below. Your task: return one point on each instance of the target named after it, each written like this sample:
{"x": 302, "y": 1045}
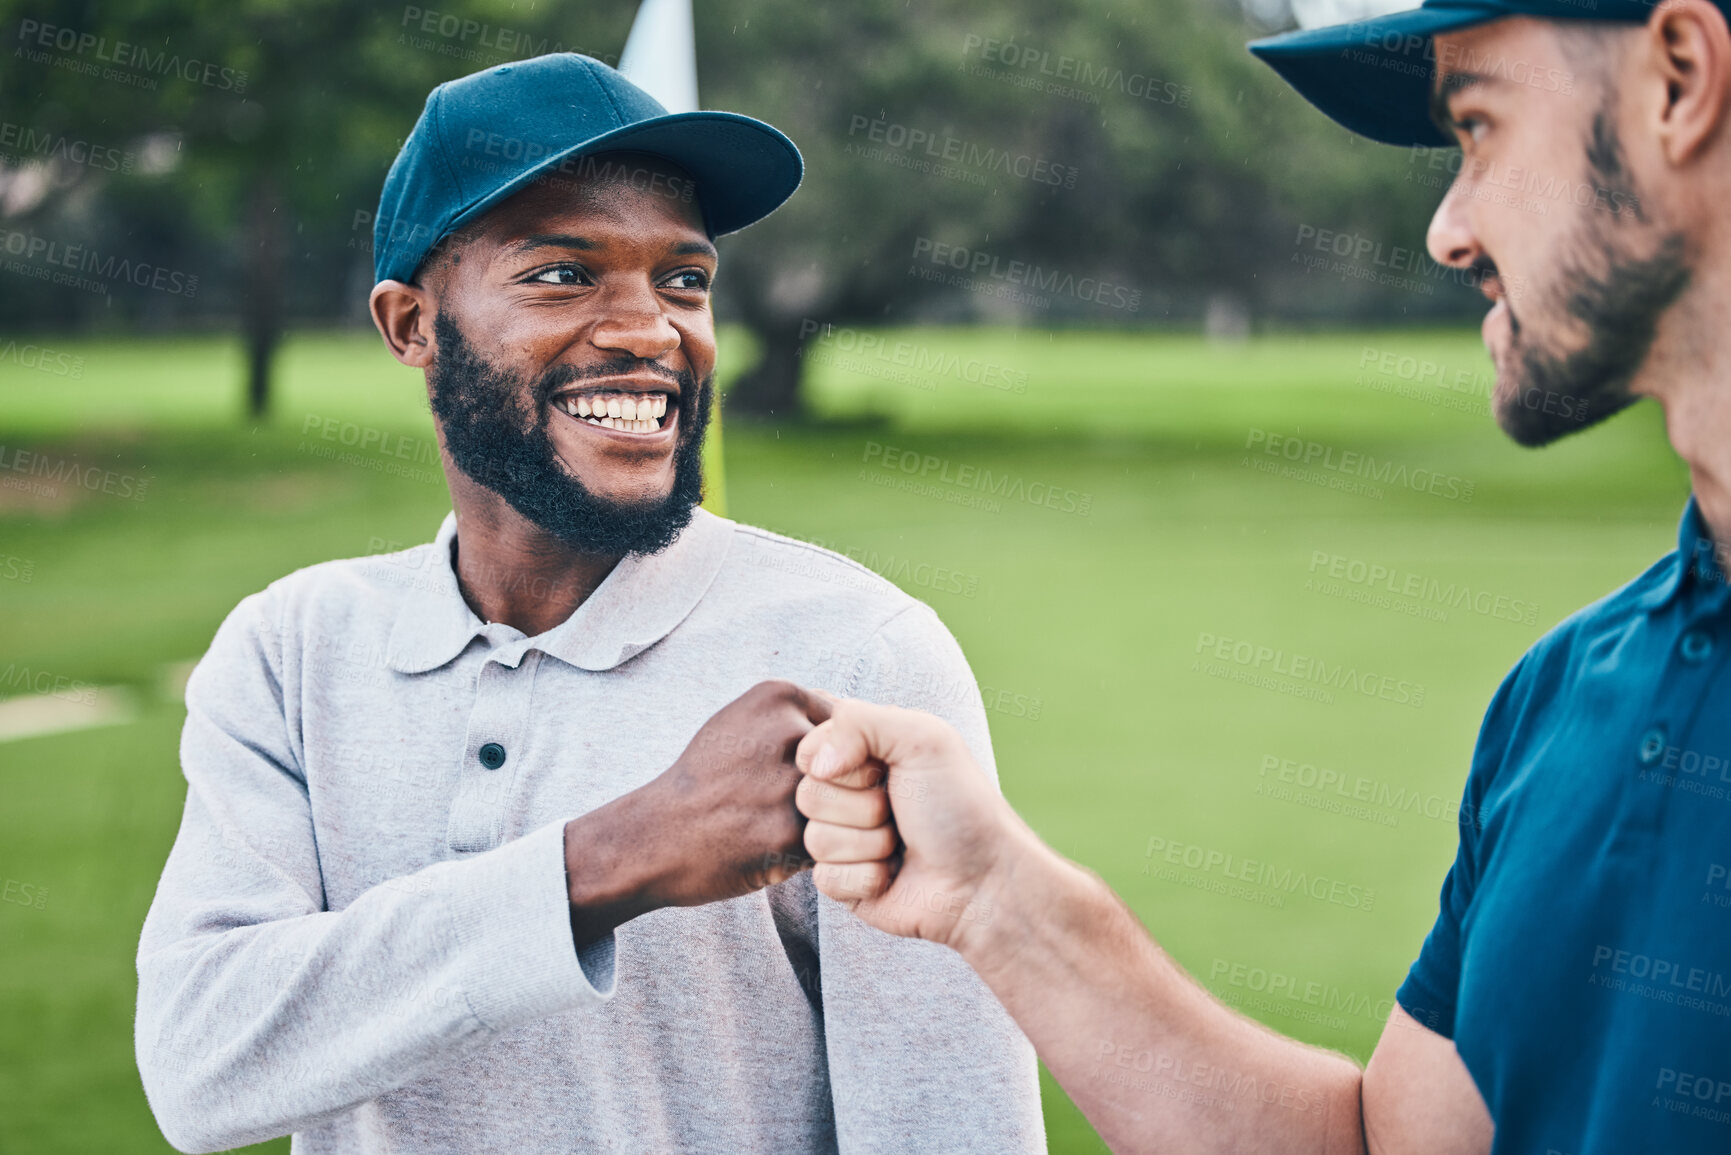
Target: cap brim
{"x": 1374, "y": 76}
{"x": 744, "y": 169}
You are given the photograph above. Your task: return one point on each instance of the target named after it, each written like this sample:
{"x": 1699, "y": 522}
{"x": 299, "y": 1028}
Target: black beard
{"x": 1620, "y": 307}
{"x": 495, "y": 429}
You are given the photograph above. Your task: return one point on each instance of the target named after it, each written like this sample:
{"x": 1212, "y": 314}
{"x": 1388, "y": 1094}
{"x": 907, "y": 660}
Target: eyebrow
{"x": 553, "y": 241}
{"x": 1439, "y": 98}
{"x": 694, "y": 249}
{"x": 584, "y": 244}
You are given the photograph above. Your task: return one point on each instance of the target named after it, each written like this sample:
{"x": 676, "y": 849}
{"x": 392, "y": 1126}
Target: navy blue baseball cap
{"x": 492, "y": 133}
{"x": 1375, "y": 76}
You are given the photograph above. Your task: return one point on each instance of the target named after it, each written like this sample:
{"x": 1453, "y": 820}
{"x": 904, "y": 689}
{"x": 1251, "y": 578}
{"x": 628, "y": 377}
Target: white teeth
{"x": 634, "y": 414}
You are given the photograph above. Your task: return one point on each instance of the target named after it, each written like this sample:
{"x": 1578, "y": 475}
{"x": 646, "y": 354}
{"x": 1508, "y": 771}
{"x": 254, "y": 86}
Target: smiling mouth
{"x": 620, "y": 410}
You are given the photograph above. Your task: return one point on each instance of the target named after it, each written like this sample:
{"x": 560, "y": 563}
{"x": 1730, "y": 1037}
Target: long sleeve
{"x": 922, "y": 1057}
{"x": 260, "y": 1010}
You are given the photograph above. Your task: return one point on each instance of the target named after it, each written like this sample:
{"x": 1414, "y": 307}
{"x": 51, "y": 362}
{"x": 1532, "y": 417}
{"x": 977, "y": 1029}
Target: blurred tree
{"x": 1186, "y": 165}
{"x": 282, "y": 115}
{"x": 1169, "y": 162}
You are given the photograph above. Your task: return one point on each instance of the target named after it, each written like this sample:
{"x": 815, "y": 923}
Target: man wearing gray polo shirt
{"x": 455, "y": 874}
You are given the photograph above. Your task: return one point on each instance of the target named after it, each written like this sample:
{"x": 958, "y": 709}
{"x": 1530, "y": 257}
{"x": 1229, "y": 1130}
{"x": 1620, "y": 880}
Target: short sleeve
{"x": 1432, "y": 984}
{"x": 1428, "y": 994}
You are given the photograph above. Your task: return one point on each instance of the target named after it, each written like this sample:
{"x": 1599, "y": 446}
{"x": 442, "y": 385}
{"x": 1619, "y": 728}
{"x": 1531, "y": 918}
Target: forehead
{"x": 1519, "y": 53}
{"x": 629, "y": 196}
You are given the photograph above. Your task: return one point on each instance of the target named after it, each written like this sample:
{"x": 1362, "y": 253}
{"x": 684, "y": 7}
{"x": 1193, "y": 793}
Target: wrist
{"x": 997, "y": 912}
{"x": 610, "y": 869}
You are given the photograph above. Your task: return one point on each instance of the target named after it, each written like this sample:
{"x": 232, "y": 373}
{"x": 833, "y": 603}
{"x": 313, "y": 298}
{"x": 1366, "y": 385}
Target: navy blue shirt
{"x": 1581, "y": 961}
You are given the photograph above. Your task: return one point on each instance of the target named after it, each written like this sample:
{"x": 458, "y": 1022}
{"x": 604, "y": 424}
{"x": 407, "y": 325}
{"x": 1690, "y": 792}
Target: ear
{"x": 403, "y": 314}
{"x": 1690, "y": 47}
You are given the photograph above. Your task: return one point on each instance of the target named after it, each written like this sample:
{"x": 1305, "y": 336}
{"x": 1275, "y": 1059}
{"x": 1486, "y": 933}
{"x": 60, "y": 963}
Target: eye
{"x": 688, "y": 280}
{"x": 560, "y": 275}
{"x": 1471, "y": 128}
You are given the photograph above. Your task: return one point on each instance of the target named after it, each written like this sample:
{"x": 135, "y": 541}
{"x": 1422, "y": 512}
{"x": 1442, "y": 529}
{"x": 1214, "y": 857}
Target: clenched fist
{"x": 719, "y": 823}
{"x": 905, "y": 827}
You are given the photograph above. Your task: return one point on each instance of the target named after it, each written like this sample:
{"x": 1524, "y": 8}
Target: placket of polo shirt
{"x": 500, "y": 717}
{"x": 1684, "y": 730}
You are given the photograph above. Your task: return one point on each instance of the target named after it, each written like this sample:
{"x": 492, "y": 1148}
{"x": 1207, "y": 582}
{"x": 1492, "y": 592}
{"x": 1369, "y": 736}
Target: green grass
{"x": 1098, "y": 618}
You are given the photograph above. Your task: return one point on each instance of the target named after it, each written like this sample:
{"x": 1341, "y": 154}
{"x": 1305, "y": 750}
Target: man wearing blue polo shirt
{"x": 1574, "y": 996}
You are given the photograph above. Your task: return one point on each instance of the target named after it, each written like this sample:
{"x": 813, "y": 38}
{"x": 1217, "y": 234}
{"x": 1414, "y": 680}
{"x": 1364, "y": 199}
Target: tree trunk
{"x": 264, "y": 295}
{"x": 770, "y": 388}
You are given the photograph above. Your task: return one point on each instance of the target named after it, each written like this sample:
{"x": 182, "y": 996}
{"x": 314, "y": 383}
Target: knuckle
{"x": 776, "y": 688}
{"x": 819, "y": 841}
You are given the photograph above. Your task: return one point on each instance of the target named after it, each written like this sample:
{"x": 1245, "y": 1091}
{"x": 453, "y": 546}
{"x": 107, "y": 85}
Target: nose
{"x": 1450, "y": 237}
{"x": 634, "y": 323}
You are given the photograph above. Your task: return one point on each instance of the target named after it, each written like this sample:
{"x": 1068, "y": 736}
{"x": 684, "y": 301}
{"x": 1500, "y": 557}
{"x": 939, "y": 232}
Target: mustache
{"x": 499, "y": 443}
{"x": 560, "y": 376}
{"x": 1483, "y": 269}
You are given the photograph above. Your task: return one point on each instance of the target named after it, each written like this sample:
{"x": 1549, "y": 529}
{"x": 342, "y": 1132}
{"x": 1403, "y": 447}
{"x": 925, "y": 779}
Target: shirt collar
{"x": 1695, "y": 563}
{"x": 638, "y": 604}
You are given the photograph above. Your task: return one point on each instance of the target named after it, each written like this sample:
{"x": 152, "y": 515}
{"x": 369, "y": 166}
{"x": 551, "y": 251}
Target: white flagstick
{"x": 660, "y": 54}
{"x": 660, "y": 57}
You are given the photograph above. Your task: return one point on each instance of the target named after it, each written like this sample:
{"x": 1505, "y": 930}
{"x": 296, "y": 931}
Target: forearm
{"x": 255, "y": 1019}
{"x": 1153, "y": 1060}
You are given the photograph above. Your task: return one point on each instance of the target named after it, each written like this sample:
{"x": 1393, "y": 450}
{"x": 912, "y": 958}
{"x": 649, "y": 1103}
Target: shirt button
{"x": 492, "y": 755}
{"x": 1697, "y": 644}
{"x": 1652, "y": 745}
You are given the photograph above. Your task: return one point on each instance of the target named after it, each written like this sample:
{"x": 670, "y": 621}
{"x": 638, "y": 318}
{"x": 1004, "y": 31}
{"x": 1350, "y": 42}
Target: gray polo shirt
{"x": 362, "y": 934}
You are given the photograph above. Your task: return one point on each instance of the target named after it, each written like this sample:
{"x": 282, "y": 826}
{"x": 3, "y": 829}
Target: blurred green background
{"x": 1084, "y": 629}
{"x": 1272, "y": 295}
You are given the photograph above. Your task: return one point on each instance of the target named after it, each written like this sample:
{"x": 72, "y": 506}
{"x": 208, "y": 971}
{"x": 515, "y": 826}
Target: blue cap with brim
{"x": 1375, "y": 76}
{"x": 486, "y": 136}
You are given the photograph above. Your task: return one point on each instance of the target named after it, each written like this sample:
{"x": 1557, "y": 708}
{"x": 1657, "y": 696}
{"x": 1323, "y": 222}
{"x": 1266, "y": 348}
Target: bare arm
{"x": 1419, "y": 1098}
{"x": 1152, "y": 1059}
